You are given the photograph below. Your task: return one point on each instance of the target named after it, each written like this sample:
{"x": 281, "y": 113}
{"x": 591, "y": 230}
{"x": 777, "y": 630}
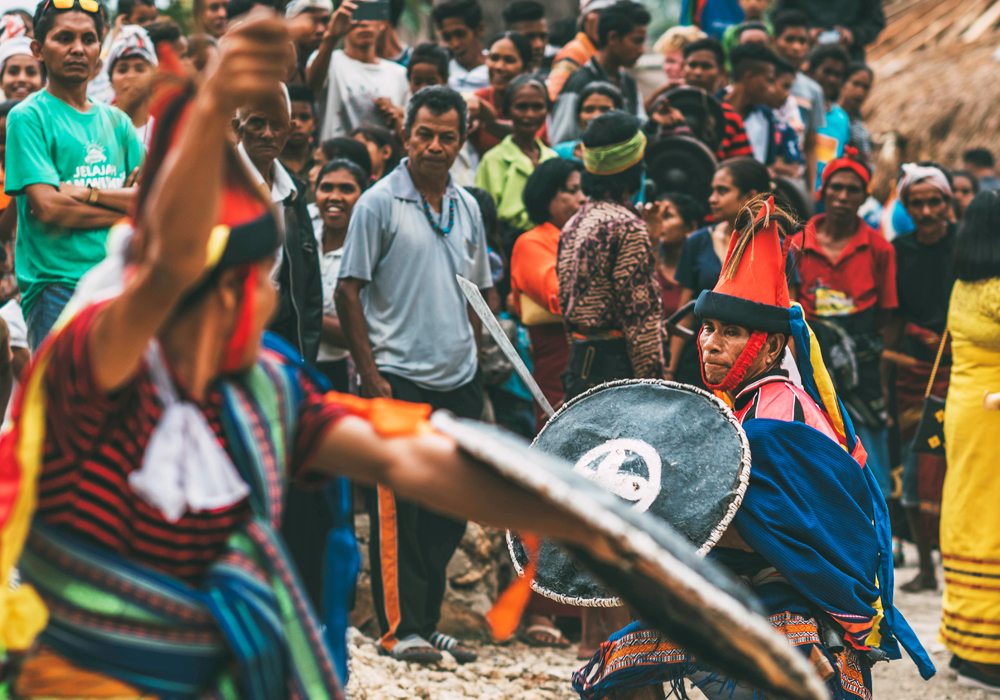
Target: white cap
{"x": 297, "y": 7}
{"x": 595, "y": 5}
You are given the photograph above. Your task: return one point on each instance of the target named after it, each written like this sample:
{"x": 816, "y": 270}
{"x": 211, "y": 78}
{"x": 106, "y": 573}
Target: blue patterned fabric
{"x": 820, "y": 520}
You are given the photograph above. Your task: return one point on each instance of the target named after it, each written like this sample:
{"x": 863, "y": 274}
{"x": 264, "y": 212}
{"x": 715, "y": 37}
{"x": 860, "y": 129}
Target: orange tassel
{"x": 389, "y": 417}
{"x": 506, "y": 613}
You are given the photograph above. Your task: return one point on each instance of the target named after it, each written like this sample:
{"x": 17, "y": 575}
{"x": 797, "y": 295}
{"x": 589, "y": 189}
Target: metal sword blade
{"x": 475, "y": 298}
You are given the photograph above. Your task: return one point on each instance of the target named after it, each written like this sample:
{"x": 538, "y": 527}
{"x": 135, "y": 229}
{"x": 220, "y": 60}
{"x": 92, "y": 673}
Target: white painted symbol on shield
{"x": 602, "y": 465}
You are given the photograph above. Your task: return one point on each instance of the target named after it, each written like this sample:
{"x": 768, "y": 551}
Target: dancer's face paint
{"x": 257, "y": 304}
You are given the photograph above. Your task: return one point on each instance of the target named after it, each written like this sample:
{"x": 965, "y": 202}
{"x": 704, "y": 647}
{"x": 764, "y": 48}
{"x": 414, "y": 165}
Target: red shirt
{"x": 94, "y": 440}
{"x": 862, "y": 277}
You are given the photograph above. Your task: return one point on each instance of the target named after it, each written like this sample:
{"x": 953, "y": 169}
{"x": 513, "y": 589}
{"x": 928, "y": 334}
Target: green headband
{"x": 608, "y": 160}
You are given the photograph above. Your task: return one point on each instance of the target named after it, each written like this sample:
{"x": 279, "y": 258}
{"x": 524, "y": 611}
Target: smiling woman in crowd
{"x": 20, "y": 72}
{"x": 338, "y": 187}
{"x": 509, "y": 57}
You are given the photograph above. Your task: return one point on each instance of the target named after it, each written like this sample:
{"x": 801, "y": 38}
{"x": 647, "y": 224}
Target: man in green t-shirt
{"x": 70, "y": 164}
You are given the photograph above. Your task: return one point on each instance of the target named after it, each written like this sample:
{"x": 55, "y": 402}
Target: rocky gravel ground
{"x": 519, "y": 672}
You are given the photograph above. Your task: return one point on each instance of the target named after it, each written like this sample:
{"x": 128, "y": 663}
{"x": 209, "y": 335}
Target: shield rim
{"x": 717, "y": 531}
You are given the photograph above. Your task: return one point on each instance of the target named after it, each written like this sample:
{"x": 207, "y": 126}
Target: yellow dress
{"x": 970, "y": 507}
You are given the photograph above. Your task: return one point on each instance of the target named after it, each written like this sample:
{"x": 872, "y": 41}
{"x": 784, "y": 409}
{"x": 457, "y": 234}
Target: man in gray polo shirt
{"x": 408, "y": 328}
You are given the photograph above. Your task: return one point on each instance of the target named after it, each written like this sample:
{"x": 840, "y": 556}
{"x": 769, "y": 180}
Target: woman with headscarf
{"x": 20, "y": 72}
{"x": 916, "y": 342}
{"x": 130, "y": 65}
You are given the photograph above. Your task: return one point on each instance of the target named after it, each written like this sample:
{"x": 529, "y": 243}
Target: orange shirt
{"x": 533, "y": 268}
{"x": 570, "y": 57}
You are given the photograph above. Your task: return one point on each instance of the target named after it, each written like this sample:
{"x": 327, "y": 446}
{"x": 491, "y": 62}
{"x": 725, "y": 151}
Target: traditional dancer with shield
{"x": 811, "y": 536}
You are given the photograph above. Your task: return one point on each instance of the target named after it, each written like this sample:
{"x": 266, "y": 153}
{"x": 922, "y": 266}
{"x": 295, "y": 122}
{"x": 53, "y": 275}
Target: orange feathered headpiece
{"x": 752, "y": 291}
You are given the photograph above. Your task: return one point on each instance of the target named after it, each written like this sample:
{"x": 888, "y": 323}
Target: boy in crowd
{"x": 791, "y": 42}
{"x": 787, "y": 123}
{"x": 852, "y": 24}
{"x": 621, "y": 39}
{"x": 527, "y": 17}
{"x": 140, "y": 12}
{"x": 753, "y": 79}
{"x": 297, "y": 155}
{"x": 428, "y": 65}
{"x": 753, "y": 11}
{"x": 828, "y": 67}
{"x": 360, "y": 87}
{"x": 979, "y": 162}
{"x": 703, "y": 62}
{"x": 852, "y": 97}
{"x": 211, "y": 15}
{"x": 319, "y": 12}
{"x": 70, "y": 163}
{"x": 578, "y": 50}
{"x": 460, "y": 24}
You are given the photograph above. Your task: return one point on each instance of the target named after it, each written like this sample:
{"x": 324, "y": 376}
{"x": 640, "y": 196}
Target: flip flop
{"x": 444, "y": 642}
{"x": 535, "y": 636}
{"x": 415, "y": 649}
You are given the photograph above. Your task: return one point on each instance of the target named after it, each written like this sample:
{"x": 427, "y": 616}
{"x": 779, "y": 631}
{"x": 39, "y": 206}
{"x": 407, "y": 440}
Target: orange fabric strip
{"x": 48, "y": 675}
{"x": 506, "y": 613}
{"x": 389, "y": 563}
{"x": 389, "y": 417}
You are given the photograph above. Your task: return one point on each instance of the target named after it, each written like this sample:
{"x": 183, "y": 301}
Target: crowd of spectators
{"x": 394, "y": 167}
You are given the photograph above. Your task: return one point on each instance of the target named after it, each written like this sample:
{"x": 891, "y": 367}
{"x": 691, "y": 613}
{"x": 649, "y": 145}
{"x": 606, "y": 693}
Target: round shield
{"x": 669, "y": 449}
{"x": 681, "y": 164}
{"x": 693, "y": 601}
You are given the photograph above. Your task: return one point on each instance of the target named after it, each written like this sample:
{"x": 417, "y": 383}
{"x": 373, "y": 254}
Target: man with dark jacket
{"x": 299, "y": 317}
{"x": 621, "y": 34}
{"x": 854, "y": 24}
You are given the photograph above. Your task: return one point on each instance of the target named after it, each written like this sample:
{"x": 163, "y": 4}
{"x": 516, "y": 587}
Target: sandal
{"x": 547, "y": 635}
{"x": 462, "y": 653}
{"x": 415, "y": 649}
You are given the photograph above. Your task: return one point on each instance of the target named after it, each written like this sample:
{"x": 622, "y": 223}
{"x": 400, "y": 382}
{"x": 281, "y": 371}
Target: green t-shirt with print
{"x": 49, "y": 142}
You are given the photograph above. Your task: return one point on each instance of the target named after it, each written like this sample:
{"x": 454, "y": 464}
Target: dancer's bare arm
{"x": 183, "y": 203}
{"x": 431, "y": 470}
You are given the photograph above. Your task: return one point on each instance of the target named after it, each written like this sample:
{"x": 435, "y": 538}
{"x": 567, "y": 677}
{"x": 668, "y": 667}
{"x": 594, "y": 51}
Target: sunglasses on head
{"x": 85, "y": 5}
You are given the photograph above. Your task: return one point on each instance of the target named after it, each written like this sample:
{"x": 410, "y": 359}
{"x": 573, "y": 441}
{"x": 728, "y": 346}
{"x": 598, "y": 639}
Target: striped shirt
{"x": 775, "y": 396}
{"x": 94, "y": 440}
{"x": 735, "y": 144}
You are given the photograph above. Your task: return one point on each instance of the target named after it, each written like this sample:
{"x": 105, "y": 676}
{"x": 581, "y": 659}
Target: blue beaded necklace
{"x": 443, "y": 230}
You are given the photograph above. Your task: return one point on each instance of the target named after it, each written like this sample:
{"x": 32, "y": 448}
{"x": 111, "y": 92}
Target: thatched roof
{"x": 936, "y": 81}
